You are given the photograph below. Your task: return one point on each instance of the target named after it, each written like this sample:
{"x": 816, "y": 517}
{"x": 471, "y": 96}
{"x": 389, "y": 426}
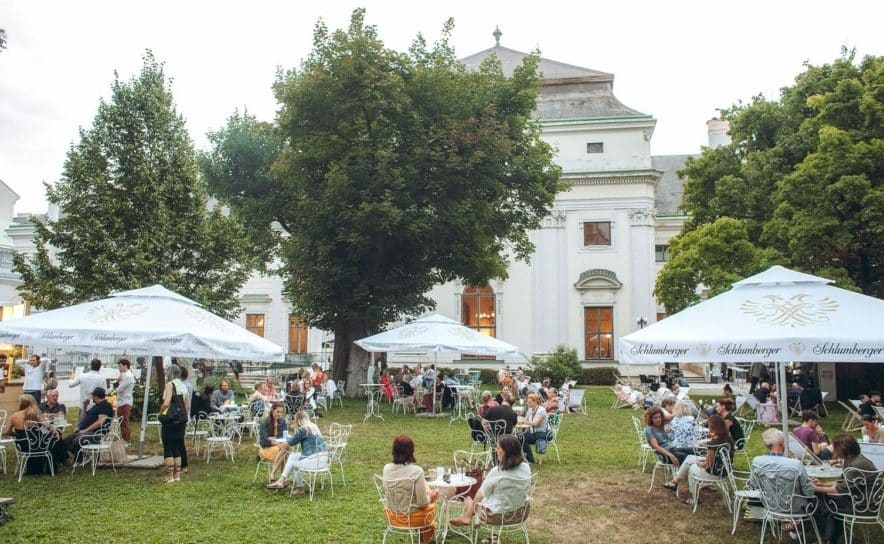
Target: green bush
{"x": 599, "y": 376}
{"x": 558, "y": 366}
{"x": 488, "y": 376}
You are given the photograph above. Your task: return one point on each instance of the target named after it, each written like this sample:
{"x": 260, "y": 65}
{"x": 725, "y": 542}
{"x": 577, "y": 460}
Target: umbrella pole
{"x": 144, "y": 411}
{"x": 784, "y": 405}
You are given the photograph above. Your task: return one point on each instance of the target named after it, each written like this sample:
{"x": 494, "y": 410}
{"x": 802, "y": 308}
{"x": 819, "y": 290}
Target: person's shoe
{"x": 279, "y": 484}
{"x": 298, "y": 491}
{"x": 672, "y": 486}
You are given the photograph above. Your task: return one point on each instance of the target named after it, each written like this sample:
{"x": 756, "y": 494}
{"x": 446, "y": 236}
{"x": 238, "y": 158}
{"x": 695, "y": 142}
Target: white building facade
{"x": 591, "y": 278}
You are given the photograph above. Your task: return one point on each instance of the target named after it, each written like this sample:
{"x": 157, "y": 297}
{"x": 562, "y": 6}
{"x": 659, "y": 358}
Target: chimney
{"x": 717, "y": 130}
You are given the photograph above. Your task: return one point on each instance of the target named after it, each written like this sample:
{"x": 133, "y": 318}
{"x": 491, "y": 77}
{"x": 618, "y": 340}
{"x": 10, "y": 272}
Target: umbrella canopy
{"x": 438, "y": 334}
{"x": 778, "y": 315}
{"x": 152, "y": 320}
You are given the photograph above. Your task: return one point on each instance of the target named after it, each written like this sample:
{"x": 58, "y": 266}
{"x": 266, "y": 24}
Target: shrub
{"x": 561, "y": 364}
{"x": 488, "y": 376}
{"x": 599, "y": 376}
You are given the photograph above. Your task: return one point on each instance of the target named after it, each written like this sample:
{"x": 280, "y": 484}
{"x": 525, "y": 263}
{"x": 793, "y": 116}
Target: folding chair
{"x": 853, "y": 421}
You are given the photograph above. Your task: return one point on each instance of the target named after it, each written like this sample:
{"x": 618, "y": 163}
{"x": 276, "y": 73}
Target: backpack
{"x": 175, "y": 412}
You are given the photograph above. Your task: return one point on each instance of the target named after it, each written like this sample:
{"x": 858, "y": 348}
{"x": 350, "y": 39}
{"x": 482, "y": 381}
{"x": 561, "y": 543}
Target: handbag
{"x": 174, "y": 412}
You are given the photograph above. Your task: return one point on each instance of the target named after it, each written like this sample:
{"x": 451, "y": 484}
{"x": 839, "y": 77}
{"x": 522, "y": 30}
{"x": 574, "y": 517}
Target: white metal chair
{"x": 718, "y": 476}
{"x": 663, "y": 464}
{"x": 336, "y": 442}
{"x": 403, "y": 401}
{"x": 784, "y": 503}
{"x": 37, "y": 444}
{"x": 91, "y": 449}
{"x": 4, "y": 441}
{"x": 554, "y": 422}
{"x": 514, "y": 516}
{"x": 261, "y": 463}
{"x": 644, "y": 449}
{"x": 742, "y": 493}
{"x": 248, "y": 424}
{"x": 339, "y": 393}
{"x": 861, "y": 504}
{"x": 154, "y": 423}
{"x": 493, "y": 431}
{"x": 315, "y": 469}
{"x": 198, "y": 430}
{"x": 397, "y": 499}
{"x": 221, "y": 432}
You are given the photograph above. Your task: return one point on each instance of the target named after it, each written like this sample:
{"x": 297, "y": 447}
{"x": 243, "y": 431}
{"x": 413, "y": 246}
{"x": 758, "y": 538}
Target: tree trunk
{"x": 159, "y": 373}
{"x": 350, "y": 362}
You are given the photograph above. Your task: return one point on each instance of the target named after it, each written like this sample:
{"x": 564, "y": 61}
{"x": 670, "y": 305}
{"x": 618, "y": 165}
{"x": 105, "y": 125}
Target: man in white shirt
{"x": 34, "y": 369}
{"x": 88, "y": 381}
{"x": 125, "y": 387}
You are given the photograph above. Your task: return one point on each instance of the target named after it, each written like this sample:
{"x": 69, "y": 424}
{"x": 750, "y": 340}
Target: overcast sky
{"x": 677, "y": 61}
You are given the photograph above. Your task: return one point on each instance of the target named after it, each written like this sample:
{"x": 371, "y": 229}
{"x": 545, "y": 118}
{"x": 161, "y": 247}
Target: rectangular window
{"x": 599, "y": 328}
{"x": 661, "y": 253}
{"x": 597, "y": 233}
{"x": 595, "y": 147}
{"x": 297, "y": 333}
{"x": 255, "y": 324}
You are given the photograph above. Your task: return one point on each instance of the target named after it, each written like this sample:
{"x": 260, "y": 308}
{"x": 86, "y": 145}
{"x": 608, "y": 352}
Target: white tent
{"x": 777, "y": 316}
{"x": 148, "y": 321}
{"x": 437, "y": 334}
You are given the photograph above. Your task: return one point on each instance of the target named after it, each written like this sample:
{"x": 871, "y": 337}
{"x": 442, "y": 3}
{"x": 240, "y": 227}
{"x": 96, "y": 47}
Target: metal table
{"x": 461, "y": 411}
{"x": 373, "y": 406}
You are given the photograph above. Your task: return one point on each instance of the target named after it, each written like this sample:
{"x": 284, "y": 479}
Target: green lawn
{"x": 597, "y": 494}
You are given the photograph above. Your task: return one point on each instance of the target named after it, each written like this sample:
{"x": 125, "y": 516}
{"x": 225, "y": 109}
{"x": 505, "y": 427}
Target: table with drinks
{"x": 447, "y": 481}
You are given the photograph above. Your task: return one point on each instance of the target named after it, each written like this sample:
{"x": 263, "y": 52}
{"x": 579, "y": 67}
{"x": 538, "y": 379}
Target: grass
{"x": 597, "y": 494}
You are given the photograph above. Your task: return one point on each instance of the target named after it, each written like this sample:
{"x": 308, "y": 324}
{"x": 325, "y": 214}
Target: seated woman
{"x": 405, "y": 485}
{"x": 659, "y": 437}
{"x": 15, "y": 427}
{"x": 273, "y": 427}
{"x": 847, "y": 449}
{"x": 683, "y": 425}
{"x": 258, "y": 401}
{"x": 310, "y": 439}
{"x": 668, "y": 404}
{"x": 497, "y": 495}
{"x": 536, "y": 419}
{"x": 486, "y": 402}
{"x": 696, "y": 465}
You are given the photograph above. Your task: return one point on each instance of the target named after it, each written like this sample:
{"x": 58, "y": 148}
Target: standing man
{"x": 88, "y": 381}
{"x": 34, "y": 370}
{"x": 4, "y": 369}
{"x": 125, "y": 387}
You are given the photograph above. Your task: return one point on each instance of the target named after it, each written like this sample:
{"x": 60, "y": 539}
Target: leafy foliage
{"x": 559, "y": 365}
{"x": 599, "y": 376}
{"x": 398, "y": 171}
{"x": 804, "y": 177}
{"x": 714, "y": 255}
{"x": 134, "y": 211}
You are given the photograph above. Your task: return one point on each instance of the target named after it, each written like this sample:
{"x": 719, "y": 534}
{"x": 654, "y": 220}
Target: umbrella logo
{"x": 796, "y": 311}
{"x": 116, "y": 312}
{"x": 209, "y": 319}
{"x": 411, "y": 332}
{"x": 466, "y": 334}
{"x": 797, "y": 348}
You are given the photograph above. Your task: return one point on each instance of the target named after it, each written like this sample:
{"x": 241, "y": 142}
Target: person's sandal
{"x": 672, "y": 486}
{"x": 298, "y": 491}
{"x": 276, "y": 485}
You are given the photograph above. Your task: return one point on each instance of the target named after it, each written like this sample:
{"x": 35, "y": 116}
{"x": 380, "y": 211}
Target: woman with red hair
{"x": 405, "y": 486}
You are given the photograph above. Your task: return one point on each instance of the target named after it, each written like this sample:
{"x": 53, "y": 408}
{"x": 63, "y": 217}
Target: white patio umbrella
{"x": 778, "y": 315}
{"x": 149, "y": 321}
{"x": 436, "y": 334}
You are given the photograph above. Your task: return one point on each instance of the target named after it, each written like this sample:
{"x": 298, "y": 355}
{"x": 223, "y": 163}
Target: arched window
{"x": 478, "y": 309}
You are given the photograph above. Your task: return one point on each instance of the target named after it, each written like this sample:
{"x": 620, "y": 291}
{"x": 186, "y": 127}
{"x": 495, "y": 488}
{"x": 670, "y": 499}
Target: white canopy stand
{"x": 149, "y": 321}
{"x": 776, "y": 316}
{"x": 436, "y": 334}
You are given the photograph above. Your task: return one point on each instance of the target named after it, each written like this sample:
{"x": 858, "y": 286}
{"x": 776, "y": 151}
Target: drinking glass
{"x": 440, "y": 473}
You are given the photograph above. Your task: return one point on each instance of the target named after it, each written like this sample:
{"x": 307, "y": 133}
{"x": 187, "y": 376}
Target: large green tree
{"x": 134, "y": 210}
{"x": 803, "y": 175}
{"x": 398, "y": 171}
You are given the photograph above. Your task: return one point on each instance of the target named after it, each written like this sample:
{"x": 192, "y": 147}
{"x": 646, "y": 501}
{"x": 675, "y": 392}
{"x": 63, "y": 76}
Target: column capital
{"x": 642, "y": 217}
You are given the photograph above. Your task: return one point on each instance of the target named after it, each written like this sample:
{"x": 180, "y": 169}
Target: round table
{"x": 444, "y": 510}
{"x": 461, "y": 411}
{"x": 824, "y": 472}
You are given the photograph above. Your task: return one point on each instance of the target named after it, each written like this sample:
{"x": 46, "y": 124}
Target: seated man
{"x": 807, "y": 435}
{"x": 504, "y": 412}
{"x": 93, "y": 424}
{"x": 763, "y": 392}
{"x": 51, "y": 404}
{"x": 765, "y": 469}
